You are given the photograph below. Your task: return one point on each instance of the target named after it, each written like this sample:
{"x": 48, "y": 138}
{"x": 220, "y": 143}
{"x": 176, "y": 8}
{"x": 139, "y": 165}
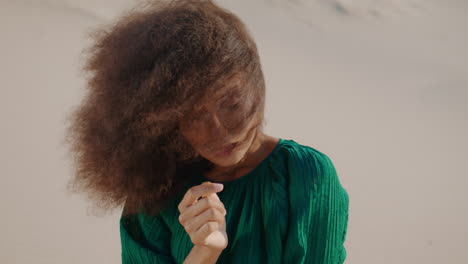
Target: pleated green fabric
{"x": 291, "y": 208}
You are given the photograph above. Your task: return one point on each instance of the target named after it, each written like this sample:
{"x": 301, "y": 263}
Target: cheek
{"x": 190, "y": 137}
{"x": 194, "y": 139}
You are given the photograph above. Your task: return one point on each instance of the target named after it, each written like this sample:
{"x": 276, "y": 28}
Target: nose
{"x": 213, "y": 121}
{"x": 214, "y": 126}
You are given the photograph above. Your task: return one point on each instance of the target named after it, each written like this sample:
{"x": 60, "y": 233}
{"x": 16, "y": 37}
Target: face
{"x": 210, "y": 130}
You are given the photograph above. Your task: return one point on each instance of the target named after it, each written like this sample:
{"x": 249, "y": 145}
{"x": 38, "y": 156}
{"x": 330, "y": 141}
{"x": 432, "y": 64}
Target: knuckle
{"x": 190, "y": 191}
{"x": 205, "y": 228}
{"x": 219, "y": 216}
{"x": 212, "y": 226}
{"x": 211, "y": 212}
{"x": 181, "y": 219}
{"x": 210, "y": 202}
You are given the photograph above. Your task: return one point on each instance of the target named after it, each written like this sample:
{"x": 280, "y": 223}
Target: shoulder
{"x": 305, "y": 157}
{"x": 308, "y": 166}
{"x": 312, "y": 177}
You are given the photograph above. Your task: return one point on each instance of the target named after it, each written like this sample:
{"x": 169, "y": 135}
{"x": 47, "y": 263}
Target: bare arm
{"x": 201, "y": 254}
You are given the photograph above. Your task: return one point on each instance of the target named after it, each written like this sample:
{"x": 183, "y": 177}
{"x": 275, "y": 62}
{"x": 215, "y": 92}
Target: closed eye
{"x": 234, "y": 105}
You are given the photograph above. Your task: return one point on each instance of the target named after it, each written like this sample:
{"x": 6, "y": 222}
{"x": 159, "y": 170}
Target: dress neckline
{"x": 250, "y": 173}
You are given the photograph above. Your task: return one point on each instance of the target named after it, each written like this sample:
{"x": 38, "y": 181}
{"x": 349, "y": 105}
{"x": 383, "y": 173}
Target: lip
{"x": 226, "y": 149}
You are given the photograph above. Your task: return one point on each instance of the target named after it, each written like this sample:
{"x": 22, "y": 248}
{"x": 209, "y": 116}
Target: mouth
{"x": 226, "y": 149}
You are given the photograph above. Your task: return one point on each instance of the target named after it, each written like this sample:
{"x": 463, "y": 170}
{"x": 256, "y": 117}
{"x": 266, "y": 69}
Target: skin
{"x": 201, "y": 211}
{"x": 204, "y": 221}
{"x": 252, "y": 147}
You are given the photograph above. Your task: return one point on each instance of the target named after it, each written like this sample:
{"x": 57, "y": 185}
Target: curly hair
{"x": 148, "y": 70}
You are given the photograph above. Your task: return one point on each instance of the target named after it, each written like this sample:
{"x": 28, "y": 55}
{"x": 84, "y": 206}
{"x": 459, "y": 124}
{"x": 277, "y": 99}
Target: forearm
{"x": 201, "y": 254}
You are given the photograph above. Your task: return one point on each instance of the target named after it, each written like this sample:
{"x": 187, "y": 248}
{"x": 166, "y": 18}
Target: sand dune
{"x": 380, "y": 86}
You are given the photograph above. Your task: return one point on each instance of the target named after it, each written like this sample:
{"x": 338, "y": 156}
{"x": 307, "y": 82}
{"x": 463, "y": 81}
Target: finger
{"x": 200, "y": 207}
{"x": 214, "y": 195}
{"x": 205, "y": 230}
{"x": 210, "y": 194}
{"x": 192, "y": 195}
{"x": 196, "y": 193}
{"x": 210, "y": 214}
{"x": 203, "y": 204}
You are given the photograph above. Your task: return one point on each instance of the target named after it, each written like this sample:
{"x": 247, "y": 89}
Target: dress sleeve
{"x": 318, "y": 210}
{"x": 144, "y": 244}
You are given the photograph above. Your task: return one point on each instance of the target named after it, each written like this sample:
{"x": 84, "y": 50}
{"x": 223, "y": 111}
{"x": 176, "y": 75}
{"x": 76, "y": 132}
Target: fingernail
{"x": 218, "y": 186}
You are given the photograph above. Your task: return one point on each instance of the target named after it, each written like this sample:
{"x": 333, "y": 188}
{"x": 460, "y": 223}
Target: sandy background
{"x": 381, "y": 87}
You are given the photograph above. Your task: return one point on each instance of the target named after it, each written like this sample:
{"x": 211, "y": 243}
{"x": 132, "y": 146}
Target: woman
{"x": 172, "y": 128}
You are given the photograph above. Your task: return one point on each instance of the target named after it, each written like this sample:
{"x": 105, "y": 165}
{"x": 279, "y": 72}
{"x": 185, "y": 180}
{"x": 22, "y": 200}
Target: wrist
{"x": 203, "y": 254}
{"x": 209, "y": 254}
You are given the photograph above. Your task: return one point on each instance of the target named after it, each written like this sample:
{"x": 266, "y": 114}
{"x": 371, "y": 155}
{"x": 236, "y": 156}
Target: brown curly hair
{"x": 148, "y": 70}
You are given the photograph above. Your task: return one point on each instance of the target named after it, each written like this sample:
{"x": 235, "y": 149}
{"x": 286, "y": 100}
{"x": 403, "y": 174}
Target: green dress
{"x": 291, "y": 208}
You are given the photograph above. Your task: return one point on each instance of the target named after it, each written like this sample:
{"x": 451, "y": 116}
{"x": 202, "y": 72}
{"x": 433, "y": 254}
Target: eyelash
{"x": 233, "y": 105}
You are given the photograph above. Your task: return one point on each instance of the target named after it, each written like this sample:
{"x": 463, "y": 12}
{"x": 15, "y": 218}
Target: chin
{"x": 227, "y": 160}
